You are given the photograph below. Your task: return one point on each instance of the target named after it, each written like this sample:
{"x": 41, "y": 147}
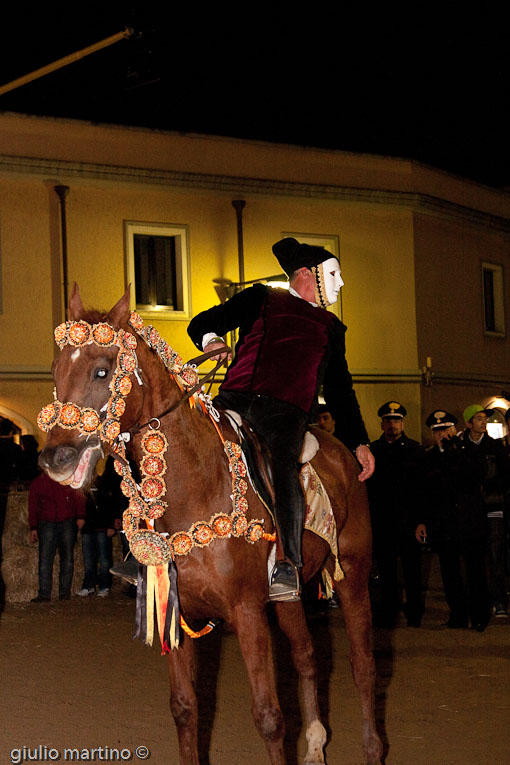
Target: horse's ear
{"x": 121, "y": 309}
{"x": 76, "y": 309}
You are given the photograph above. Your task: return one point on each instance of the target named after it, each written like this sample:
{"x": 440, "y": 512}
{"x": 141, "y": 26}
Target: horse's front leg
{"x": 183, "y": 701}
{"x": 353, "y": 594}
{"x": 250, "y": 624}
{"x": 291, "y": 619}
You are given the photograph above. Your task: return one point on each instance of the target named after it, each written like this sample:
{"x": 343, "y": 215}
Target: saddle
{"x": 319, "y": 516}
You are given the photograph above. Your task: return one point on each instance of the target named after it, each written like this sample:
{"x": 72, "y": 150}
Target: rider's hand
{"x": 216, "y": 344}
{"x": 366, "y": 460}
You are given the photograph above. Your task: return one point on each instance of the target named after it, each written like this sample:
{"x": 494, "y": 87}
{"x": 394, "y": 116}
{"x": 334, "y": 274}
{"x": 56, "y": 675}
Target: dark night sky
{"x": 410, "y": 85}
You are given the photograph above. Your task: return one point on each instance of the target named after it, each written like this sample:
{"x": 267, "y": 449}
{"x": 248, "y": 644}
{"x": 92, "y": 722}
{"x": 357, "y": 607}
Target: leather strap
{"x": 196, "y": 361}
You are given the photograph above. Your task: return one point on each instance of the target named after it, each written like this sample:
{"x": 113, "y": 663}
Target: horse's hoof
{"x": 316, "y": 739}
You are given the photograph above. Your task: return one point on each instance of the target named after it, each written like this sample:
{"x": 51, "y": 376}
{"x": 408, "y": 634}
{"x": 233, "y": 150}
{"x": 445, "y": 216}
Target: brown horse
{"x": 228, "y": 578}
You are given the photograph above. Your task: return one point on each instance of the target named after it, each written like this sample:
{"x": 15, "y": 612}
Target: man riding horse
{"x": 289, "y": 346}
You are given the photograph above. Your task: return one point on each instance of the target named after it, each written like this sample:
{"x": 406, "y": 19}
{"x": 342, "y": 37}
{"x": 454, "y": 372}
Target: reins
{"x": 191, "y": 391}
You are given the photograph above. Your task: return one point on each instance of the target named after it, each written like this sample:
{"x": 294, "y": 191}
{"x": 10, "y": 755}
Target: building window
{"x": 158, "y": 269}
{"x": 330, "y": 243}
{"x": 493, "y": 299}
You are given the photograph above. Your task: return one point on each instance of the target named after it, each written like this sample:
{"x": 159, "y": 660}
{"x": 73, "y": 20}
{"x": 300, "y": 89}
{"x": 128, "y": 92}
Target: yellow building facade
{"x": 412, "y": 243}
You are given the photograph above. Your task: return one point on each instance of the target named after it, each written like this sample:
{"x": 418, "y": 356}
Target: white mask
{"x": 329, "y": 281}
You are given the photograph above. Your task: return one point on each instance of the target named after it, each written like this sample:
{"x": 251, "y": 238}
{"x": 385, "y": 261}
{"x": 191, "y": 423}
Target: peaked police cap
{"x": 392, "y": 409}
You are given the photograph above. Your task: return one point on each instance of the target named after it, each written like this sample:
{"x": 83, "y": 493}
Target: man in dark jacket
{"x": 455, "y": 523}
{"x": 495, "y": 465}
{"x": 288, "y": 345}
{"x": 104, "y": 505}
{"x": 395, "y": 492}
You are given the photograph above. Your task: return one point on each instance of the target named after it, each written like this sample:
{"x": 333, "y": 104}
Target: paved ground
{"x": 73, "y": 677}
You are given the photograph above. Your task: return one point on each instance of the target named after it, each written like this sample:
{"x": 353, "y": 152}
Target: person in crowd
{"x": 495, "y": 466}
{"x": 506, "y": 443}
{"x": 10, "y": 455}
{"x": 506, "y": 438}
{"x": 103, "y": 520}
{"x": 10, "y": 463}
{"x": 127, "y": 569}
{"x": 395, "y": 493}
{"x": 55, "y": 512}
{"x": 29, "y": 468}
{"x": 288, "y": 345}
{"x": 455, "y": 523}
{"x": 325, "y": 419}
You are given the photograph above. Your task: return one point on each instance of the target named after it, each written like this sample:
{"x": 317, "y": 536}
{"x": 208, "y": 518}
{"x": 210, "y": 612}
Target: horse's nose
{"x": 60, "y": 458}
{"x": 65, "y": 455}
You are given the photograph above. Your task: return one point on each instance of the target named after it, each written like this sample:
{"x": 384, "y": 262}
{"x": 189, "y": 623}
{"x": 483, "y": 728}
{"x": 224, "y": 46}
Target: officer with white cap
{"x": 454, "y": 523}
{"x": 495, "y": 465}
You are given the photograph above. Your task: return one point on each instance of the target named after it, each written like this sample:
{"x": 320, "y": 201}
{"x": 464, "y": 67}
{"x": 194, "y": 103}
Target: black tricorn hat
{"x": 292, "y": 255}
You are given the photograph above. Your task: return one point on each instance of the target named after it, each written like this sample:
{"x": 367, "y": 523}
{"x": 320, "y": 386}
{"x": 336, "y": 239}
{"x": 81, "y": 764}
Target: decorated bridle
{"x": 86, "y": 420}
{"x": 148, "y": 546}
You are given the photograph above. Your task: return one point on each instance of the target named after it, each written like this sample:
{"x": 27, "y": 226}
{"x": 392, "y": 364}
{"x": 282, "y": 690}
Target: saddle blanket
{"x": 319, "y": 516}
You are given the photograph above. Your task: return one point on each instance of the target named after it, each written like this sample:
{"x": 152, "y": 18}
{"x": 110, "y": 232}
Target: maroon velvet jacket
{"x": 287, "y": 349}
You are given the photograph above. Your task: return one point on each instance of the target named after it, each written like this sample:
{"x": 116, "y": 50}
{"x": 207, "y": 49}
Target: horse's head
{"x": 93, "y": 377}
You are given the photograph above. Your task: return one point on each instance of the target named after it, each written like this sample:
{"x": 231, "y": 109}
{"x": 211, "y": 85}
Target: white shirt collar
{"x": 296, "y": 294}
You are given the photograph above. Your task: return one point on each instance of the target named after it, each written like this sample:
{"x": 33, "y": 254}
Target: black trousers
{"x": 387, "y": 556}
{"x": 283, "y": 427}
{"x": 465, "y": 584}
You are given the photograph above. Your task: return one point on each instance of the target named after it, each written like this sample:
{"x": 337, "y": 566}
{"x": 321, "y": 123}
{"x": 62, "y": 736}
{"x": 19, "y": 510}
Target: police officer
{"x": 455, "y": 523}
{"x": 495, "y": 465}
{"x": 395, "y": 491}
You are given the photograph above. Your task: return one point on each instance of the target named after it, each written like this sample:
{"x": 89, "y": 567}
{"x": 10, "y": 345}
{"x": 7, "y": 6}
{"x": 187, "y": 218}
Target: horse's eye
{"x": 100, "y": 373}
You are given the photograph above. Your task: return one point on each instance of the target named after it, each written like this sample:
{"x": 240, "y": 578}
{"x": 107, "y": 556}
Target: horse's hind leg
{"x": 353, "y": 593}
{"x": 254, "y": 638}
{"x": 183, "y": 701}
{"x": 292, "y": 621}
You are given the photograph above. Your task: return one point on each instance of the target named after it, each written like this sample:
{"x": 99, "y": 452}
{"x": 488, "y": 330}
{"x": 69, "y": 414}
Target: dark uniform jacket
{"x": 454, "y": 510}
{"x": 287, "y": 348}
{"x": 495, "y": 466}
{"x": 395, "y": 490}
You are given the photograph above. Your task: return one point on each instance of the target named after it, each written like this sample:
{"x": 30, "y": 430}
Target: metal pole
{"x": 62, "y": 192}
{"x": 239, "y": 205}
{"x": 61, "y": 62}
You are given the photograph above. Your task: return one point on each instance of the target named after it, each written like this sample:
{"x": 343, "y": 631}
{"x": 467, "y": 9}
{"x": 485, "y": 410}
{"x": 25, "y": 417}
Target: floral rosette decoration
{"x": 145, "y": 501}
